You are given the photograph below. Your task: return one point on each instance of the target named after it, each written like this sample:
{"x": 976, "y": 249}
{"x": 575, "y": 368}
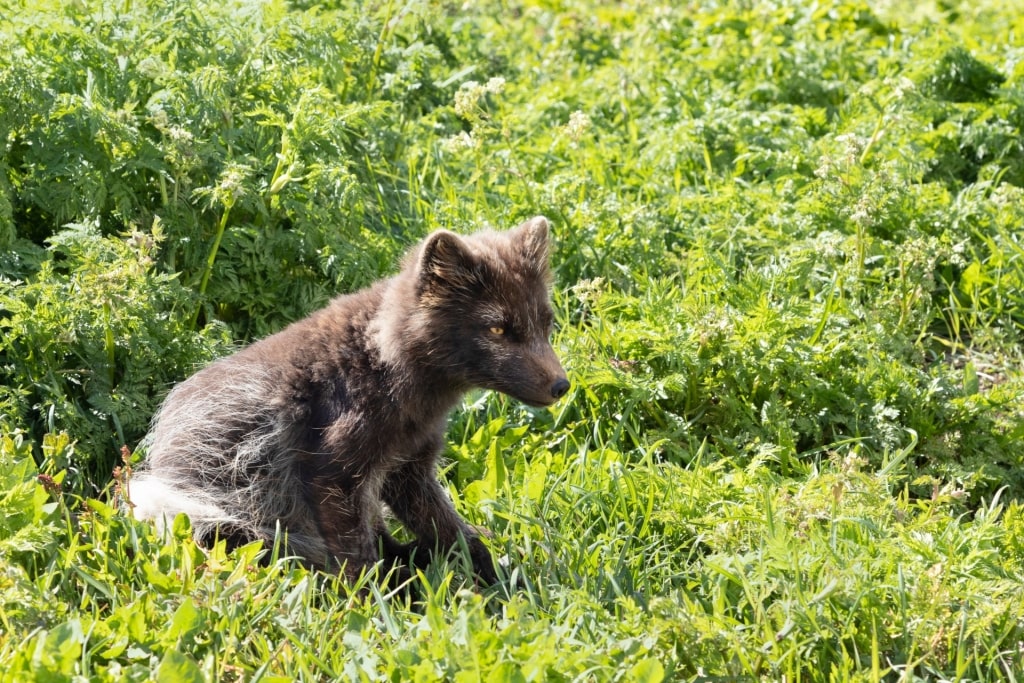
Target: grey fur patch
{"x": 237, "y": 479}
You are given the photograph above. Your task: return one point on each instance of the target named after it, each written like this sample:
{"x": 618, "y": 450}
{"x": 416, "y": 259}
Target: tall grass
{"x": 788, "y": 291}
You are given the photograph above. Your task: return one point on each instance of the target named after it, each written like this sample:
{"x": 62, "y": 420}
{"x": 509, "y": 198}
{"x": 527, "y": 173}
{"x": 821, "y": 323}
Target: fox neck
{"x": 421, "y": 384}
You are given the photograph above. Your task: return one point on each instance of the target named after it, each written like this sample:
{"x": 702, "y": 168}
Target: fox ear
{"x": 532, "y": 237}
{"x": 445, "y": 263}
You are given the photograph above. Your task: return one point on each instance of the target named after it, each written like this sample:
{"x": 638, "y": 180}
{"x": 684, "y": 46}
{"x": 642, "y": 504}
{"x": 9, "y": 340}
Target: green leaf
{"x": 970, "y": 384}
{"x": 176, "y": 667}
{"x": 187, "y": 620}
{"x": 507, "y": 672}
{"x": 647, "y": 671}
{"x": 59, "y": 651}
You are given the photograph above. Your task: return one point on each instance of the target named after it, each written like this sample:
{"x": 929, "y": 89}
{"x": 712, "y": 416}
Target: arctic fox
{"x": 312, "y": 430}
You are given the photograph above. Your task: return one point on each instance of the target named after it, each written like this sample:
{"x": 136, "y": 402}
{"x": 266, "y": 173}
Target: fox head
{"x": 484, "y": 311}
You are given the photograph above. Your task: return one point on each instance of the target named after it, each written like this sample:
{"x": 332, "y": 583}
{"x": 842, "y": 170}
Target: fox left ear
{"x": 532, "y": 237}
{"x": 445, "y": 263}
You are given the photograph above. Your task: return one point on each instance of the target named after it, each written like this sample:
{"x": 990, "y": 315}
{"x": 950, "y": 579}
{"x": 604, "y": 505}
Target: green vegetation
{"x": 790, "y": 293}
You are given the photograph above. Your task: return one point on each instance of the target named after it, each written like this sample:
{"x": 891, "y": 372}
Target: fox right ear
{"x": 533, "y": 239}
{"x": 445, "y": 263}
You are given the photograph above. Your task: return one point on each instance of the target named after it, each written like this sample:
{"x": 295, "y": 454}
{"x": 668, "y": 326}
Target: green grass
{"x": 789, "y": 291}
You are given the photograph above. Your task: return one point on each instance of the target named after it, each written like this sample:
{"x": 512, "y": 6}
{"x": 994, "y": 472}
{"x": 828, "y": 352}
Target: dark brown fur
{"x": 313, "y": 428}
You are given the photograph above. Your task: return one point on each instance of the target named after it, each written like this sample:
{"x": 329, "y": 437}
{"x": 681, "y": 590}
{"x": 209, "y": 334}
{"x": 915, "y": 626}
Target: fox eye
{"x": 497, "y": 330}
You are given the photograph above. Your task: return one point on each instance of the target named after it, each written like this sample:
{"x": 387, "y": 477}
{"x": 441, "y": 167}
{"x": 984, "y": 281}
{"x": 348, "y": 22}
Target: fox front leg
{"x": 345, "y": 514}
{"x": 417, "y": 499}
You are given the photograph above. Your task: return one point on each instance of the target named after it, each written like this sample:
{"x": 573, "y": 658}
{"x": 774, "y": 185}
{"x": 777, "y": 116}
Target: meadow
{"x": 789, "y": 291}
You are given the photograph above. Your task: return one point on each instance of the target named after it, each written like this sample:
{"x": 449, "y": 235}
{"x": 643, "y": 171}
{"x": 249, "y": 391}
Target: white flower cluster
{"x": 467, "y": 106}
{"x": 467, "y": 99}
{"x": 579, "y": 124}
{"x": 589, "y": 291}
{"x": 460, "y": 141}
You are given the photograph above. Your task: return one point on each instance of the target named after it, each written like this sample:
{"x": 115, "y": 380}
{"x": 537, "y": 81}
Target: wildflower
{"x": 232, "y": 183}
{"x": 854, "y": 145}
{"x": 862, "y": 211}
{"x": 179, "y": 135}
{"x": 466, "y": 99}
{"x": 829, "y": 244}
{"x": 143, "y": 245}
{"x": 852, "y": 463}
{"x": 958, "y": 256}
{"x": 588, "y": 291}
{"x": 900, "y": 86}
{"x": 579, "y": 124}
{"x": 461, "y": 141}
{"x": 495, "y": 86}
{"x": 825, "y": 168}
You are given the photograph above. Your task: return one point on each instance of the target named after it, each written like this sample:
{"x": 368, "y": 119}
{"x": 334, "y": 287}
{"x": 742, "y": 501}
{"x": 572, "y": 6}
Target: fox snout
{"x": 544, "y": 397}
{"x": 556, "y": 390}
{"x": 549, "y": 382}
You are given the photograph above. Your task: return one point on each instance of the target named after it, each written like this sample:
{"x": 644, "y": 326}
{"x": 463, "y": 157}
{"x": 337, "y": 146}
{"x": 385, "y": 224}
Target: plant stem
{"x": 209, "y": 263}
{"x": 163, "y": 189}
{"x": 108, "y": 343}
{"x": 371, "y": 82}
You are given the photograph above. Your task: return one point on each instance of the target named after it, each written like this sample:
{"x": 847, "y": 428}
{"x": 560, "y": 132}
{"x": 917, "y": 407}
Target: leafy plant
{"x": 788, "y": 285}
{"x": 90, "y": 345}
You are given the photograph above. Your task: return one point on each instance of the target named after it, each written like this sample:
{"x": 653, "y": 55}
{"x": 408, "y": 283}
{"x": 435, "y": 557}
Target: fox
{"x": 319, "y": 430}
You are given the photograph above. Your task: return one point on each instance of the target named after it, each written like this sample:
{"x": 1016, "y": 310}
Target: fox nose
{"x": 559, "y": 388}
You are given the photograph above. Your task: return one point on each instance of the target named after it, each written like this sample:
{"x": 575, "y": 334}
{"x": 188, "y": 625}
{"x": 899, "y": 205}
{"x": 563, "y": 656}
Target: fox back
{"x": 312, "y": 430}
